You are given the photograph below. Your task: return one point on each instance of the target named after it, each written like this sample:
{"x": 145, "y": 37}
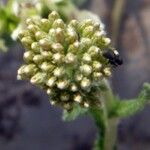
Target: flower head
{"x": 66, "y": 60}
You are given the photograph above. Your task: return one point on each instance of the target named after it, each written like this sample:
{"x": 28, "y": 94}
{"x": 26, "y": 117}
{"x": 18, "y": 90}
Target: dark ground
{"x": 41, "y": 127}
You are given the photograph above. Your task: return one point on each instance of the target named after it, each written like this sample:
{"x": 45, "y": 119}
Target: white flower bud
{"x": 59, "y": 71}
{"x": 78, "y": 98}
{"x": 86, "y": 69}
{"x": 27, "y": 41}
{"x": 71, "y": 36}
{"x": 59, "y": 35}
{"x": 107, "y": 71}
{"x": 35, "y": 47}
{"x": 74, "y": 23}
{"x": 38, "y": 59}
{"x": 97, "y": 75}
{"x": 45, "y": 24}
{"x": 94, "y": 51}
{"x": 73, "y": 87}
{"x": 28, "y": 56}
{"x": 88, "y": 31}
{"x": 74, "y": 48}
{"x": 52, "y": 102}
{"x": 51, "y": 81}
{"x": 97, "y": 66}
{"x": 49, "y": 91}
{"x": 86, "y": 104}
{"x": 32, "y": 28}
{"x": 85, "y": 83}
{"x": 107, "y": 40}
{"x": 58, "y": 58}
{"x": 57, "y": 47}
{"x": 23, "y": 33}
{"x": 38, "y": 78}
{"x": 45, "y": 43}
{"x": 47, "y": 55}
{"x": 40, "y": 35}
{"x": 70, "y": 58}
{"x": 86, "y": 58}
{"x": 45, "y": 66}
{"x": 78, "y": 76}
{"x": 53, "y": 15}
{"x": 62, "y": 84}
{"x": 58, "y": 24}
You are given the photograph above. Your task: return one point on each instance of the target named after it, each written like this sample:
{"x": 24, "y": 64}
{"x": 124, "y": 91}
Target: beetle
{"x": 113, "y": 57}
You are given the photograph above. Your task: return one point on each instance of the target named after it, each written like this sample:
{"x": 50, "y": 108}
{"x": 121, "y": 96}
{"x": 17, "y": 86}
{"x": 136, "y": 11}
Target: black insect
{"x": 113, "y": 57}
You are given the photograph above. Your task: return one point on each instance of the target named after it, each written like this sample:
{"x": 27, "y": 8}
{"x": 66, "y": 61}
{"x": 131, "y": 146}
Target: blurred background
{"x": 29, "y": 122}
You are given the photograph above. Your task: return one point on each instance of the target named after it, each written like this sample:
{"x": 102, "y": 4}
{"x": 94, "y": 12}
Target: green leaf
{"x": 130, "y": 107}
{"x": 72, "y": 115}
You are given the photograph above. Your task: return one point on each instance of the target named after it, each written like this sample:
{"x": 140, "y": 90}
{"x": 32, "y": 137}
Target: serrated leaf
{"x": 129, "y": 107}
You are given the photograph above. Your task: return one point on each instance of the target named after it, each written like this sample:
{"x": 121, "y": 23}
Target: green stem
{"x": 99, "y": 120}
{"x": 111, "y": 135}
{"x": 107, "y": 130}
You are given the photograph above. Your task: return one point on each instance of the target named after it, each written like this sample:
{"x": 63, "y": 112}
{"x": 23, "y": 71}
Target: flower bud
{"x": 88, "y": 31}
{"x": 86, "y": 69}
{"x": 53, "y": 15}
{"x": 85, "y": 23}
{"x": 58, "y": 24}
{"x": 73, "y": 87}
{"x": 86, "y": 58}
{"x": 45, "y": 24}
{"x": 71, "y": 36}
{"x": 58, "y": 58}
{"x": 27, "y": 41}
{"x": 38, "y": 59}
{"x": 35, "y": 47}
{"x": 59, "y": 35}
{"x": 23, "y": 33}
{"x": 107, "y": 71}
{"x": 45, "y": 43}
{"x": 66, "y": 60}
{"x": 85, "y": 43}
{"x": 78, "y": 76}
{"x": 85, "y": 83}
{"x": 51, "y": 81}
{"x": 97, "y": 66}
{"x": 28, "y": 56}
{"x": 38, "y": 78}
{"x": 32, "y": 28}
{"x": 62, "y": 84}
{"x": 45, "y": 66}
{"x": 70, "y": 58}
{"x": 97, "y": 75}
{"x": 57, "y": 47}
{"x": 86, "y": 104}
{"x": 40, "y": 35}
{"x": 74, "y": 48}
{"x": 47, "y": 55}
{"x": 78, "y": 98}
{"x": 94, "y": 51}
{"x": 74, "y": 24}
{"x": 59, "y": 72}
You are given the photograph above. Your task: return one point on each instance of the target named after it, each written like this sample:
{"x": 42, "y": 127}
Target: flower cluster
{"x": 66, "y": 60}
